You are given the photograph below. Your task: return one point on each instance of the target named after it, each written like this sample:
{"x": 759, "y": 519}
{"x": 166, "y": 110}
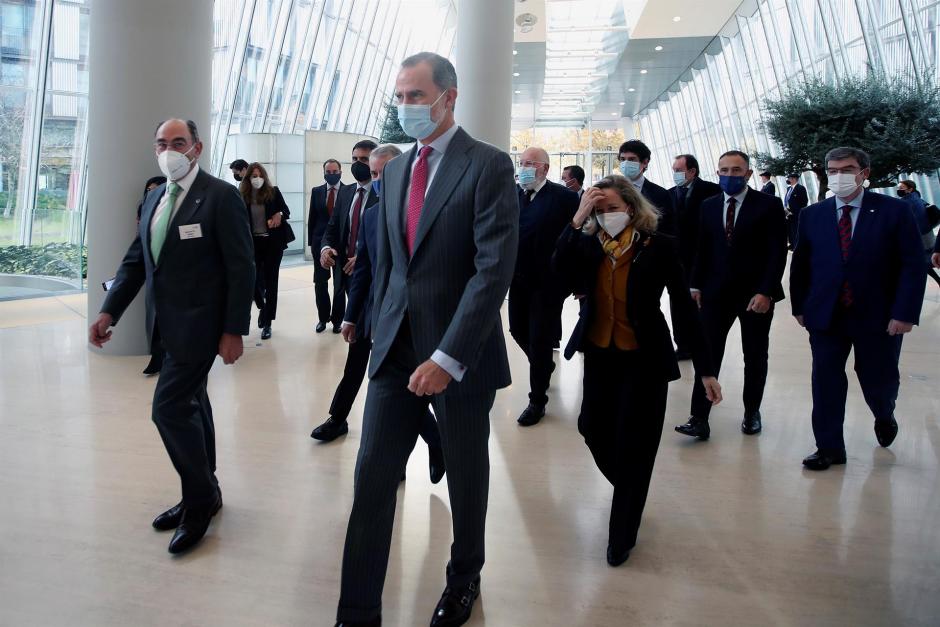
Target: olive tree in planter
{"x": 392, "y": 132}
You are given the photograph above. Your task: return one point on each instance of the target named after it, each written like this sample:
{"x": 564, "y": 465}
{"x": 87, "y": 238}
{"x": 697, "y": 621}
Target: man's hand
{"x": 896, "y": 327}
{"x": 697, "y": 297}
{"x": 328, "y": 258}
{"x": 589, "y": 198}
{"x": 428, "y": 379}
{"x": 712, "y": 389}
{"x": 349, "y": 332}
{"x": 350, "y": 266}
{"x": 799, "y": 320}
{"x": 759, "y": 304}
{"x": 98, "y": 332}
{"x": 935, "y": 260}
{"x": 230, "y": 348}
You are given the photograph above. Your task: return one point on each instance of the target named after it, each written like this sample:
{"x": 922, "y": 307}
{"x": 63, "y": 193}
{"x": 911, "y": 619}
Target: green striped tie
{"x": 158, "y": 231}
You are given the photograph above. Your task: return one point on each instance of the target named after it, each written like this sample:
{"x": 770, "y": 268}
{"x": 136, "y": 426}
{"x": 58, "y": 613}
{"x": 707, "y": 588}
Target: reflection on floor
{"x": 735, "y": 533}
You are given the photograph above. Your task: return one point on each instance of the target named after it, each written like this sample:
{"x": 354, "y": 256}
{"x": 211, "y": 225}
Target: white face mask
{"x": 174, "y": 165}
{"x": 614, "y": 223}
{"x": 679, "y": 178}
{"x": 416, "y": 120}
{"x": 257, "y": 182}
{"x": 843, "y": 184}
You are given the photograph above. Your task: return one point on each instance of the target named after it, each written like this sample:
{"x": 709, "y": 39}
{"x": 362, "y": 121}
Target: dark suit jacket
{"x": 688, "y": 216}
{"x": 769, "y": 189}
{"x": 654, "y": 268}
{"x": 360, "y": 299}
{"x": 885, "y": 268}
{"x": 202, "y": 287}
{"x": 452, "y": 287}
{"x": 662, "y": 200}
{"x": 336, "y": 235}
{"x": 754, "y": 261}
{"x": 283, "y": 234}
{"x": 318, "y": 216}
{"x": 556, "y": 206}
{"x": 797, "y": 200}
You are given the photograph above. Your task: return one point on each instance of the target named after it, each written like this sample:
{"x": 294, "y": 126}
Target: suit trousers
{"x": 321, "y": 289}
{"x": 718, "y": 318}
{"x": 535, "y": 325}
{"x": 678, "y": 333}
{"x": 340, "y": 291}
{"x": 391, "y": 422}
{"x": 268, "y": 255}
{"x": 876, "y": 366}
{"x": 357, "y": 364}
{"x": 183, "y": 415}
{"x": 622, "y": 414}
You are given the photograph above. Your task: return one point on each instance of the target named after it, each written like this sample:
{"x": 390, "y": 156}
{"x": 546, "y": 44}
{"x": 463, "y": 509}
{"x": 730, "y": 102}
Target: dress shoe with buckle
{"x": 531, "y": 415}
{"x": 695, "y": 428}
{"x": 321, "y": 327}
{"x": 821, "y": 460}
{"x": 193, "y": 527}
{"x": 170, "y": 519}
{"x": 436, "y": 463}
{"x": 375, "y": 622}
{"x": 455, "y": 605}
{"x": 330, "y": 430}
{"x": 751, "y": 424}
{"x": 266, "y": 333}
{"x": 616, "y": 557}
{"x": 886, "y": 431}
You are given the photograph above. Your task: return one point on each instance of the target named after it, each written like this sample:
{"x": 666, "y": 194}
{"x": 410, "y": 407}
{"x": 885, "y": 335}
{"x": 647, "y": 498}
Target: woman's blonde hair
{"x": 645, "y": 215}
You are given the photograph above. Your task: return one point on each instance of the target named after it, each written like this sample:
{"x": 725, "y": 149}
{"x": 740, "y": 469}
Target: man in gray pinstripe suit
{"x": 448, "y": 229}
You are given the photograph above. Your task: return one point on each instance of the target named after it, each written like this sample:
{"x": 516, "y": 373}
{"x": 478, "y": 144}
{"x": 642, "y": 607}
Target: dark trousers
{"x": 183, "y": 416}
{"x": 268, "y": 255}
{"x": 622, "y": 414}
{"x": 678, "y": 332}
{"x": 876, "y": 366}
{"x": 535, "y": 325}
{"x": 793, "y": 228}
{"x": 718, "y": 318}
{"x": 391, "y": 422}
{"x": 340, "y": 291}
{"x": 321, "y": 289}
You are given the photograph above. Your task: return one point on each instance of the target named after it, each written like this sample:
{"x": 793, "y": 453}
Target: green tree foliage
{"x": 392, "y": 132}
{"x": 896, "y": 122}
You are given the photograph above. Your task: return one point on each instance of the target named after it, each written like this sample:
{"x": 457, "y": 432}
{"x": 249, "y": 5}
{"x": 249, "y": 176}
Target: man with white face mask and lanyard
{"x": 193, "y": 251}
{"x": 536, "y": 297}
{"x": 856, "y": 283}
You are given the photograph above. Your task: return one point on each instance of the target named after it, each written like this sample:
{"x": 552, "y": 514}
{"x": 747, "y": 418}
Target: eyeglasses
{"x": 531, "y": 164}
{"x": 848, "y": 170}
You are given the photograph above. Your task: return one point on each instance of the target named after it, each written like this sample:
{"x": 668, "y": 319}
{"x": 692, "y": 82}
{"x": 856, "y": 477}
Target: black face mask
{"x": 902, "y": 193}
{"x": 361, "y": 172}
{"x": 238, "y": 177}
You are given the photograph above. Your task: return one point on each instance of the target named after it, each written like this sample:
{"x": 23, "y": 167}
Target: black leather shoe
{"x": 821, "y": 461}
{"x": 695, "y": 428}
{"x": 337, "y": 328}
{"x": 321, "y": 327}
{"x": 266, "y": 333}
{"x": 330, "y": 430}
{"x": 436, "y": 463}
{"x": 375, "y": 622}
{"x": 193, "y": 527}
{"x": 683, "y": 355}
{"x": 170, "y": 519}
{"x": 751, "y": 424}
{"x": 886, "y": 431}
{"x": 531, "y": 415}
{"x": 154, "y": 367}
{"x": 455, "y": 605}
{"x": 617, "y": 557}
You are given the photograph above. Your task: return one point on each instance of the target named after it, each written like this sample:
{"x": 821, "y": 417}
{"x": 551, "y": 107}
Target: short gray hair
{"x": 443, "y": 73}
{"x": 389, "y": 151}
{"x": 844, "y": 152}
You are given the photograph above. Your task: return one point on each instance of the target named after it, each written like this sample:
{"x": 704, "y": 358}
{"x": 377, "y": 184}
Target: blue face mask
{"x": 630, "y": 169}
{"x": 526, "y": 177}
{"x": 416, "y": 120}
{"x": 377, "y": 186}
{"x": 732, "y": 185}
{"x": 332, "y": 179}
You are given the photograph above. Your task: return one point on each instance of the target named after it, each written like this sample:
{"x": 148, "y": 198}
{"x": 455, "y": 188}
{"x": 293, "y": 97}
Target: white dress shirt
{"x": 536, "y": 188}
{"x": 855, "y": 203}
{"x": 638, "y": 182}
{"x": 739, "y": 198}
{"x": 185, "y": 183}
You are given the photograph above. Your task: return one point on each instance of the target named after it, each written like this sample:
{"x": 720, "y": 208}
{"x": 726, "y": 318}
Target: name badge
{"x": 190, "y": 231}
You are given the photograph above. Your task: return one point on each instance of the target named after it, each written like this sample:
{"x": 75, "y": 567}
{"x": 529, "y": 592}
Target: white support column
{"x": 484, "y": 69}
{"x": 149, "y": 61}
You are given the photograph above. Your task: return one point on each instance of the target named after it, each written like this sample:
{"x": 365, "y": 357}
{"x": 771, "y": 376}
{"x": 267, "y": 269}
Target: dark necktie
{"x": 354, "y": 226}
{"x": 845, "y": 239}
{"x": 729, "y": 219}
{"x": 529, "y": 193}
{"x": 330, "y": 201}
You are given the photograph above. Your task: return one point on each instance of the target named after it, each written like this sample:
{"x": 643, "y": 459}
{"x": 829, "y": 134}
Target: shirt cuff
{"x": 325, "y": 248}
{"x": 694, "y": 290}
{"x": 453, "y": 367}
{"x": 347, "y": 323}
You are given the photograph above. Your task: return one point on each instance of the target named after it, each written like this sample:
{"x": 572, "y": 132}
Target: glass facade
{"x": 785, "y": 41}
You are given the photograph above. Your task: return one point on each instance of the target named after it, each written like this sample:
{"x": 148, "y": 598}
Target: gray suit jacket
{"x": 453, "y": 286}
{"x": 202, "y": 287}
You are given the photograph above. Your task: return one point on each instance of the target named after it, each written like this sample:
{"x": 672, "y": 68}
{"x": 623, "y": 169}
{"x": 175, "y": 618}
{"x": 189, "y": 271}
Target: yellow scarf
{"x": 615, "y": 247}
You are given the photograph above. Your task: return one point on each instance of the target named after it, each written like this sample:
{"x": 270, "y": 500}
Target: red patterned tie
{"x": 354, "y": 227}
{"x": 729, "y": 219}
{"x": 845, "y": 239}
{"x": 330, "y": 201}
{"x": 419, "y": 185}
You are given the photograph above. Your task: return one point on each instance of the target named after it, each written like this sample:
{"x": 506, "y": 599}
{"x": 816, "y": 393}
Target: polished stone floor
{"x": 735, "y": 532}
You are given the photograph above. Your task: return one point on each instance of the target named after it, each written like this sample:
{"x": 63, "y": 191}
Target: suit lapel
{"x": 146, "y": 215}
{"x": 395, "y": 203}
{"x": 448, "y": 175}
{"x": 866, "y": 215}
{"x": 187, "y": 212}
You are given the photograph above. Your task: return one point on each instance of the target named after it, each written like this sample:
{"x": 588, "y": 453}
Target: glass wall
{"x": 785, "y": 41}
